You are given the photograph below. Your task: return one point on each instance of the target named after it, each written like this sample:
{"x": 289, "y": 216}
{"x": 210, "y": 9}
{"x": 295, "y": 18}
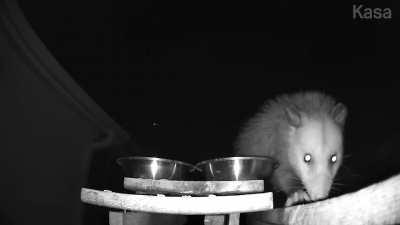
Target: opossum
{"x": 303, "y": 132}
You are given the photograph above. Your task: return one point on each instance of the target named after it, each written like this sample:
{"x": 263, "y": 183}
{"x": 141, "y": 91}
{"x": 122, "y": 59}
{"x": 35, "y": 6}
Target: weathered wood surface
{"x": 377, "y": 204}
{"x": 179, "y": 205}
{"x": 193, "y": 187}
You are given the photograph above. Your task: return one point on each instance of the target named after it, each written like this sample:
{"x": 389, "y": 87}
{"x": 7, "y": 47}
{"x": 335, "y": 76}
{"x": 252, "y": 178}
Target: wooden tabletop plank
{"x": 185, "y": 205}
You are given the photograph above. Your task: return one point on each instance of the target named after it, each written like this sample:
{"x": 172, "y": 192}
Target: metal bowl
{"x": 155, "y": 168}
{"x": 237, "y": 168}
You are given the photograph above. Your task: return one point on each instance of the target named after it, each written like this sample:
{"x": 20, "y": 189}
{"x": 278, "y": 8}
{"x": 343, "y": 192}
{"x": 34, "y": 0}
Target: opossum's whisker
{"x": 347, "y": 171}
{"x": 338, "y": 184}
{"x": 334, "y": 188}
{"x": 346, "y": 156}
{"x": 334, "y": 191}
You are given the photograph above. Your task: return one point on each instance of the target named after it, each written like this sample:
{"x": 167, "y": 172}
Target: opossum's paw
{"x": 297, "y": 197}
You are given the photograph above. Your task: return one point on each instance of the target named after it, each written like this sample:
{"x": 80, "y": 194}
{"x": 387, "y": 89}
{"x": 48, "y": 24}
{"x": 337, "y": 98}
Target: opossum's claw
{"x": 297, "y": 197}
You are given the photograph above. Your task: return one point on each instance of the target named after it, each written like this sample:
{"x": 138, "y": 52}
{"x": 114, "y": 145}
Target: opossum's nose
{"x": 319, "y": 192}
{"x": 314, "y": 196}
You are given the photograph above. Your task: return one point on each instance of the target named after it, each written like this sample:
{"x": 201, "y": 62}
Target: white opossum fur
{"x": 303, "y": 132}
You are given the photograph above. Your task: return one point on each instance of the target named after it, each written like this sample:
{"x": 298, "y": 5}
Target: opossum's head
{"x": 316, "y": 149}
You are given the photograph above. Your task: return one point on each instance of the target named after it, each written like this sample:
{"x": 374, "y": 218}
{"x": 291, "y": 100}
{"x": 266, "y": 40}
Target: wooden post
{"x": 234, "y": 219}
{"x": 214, "y": 219}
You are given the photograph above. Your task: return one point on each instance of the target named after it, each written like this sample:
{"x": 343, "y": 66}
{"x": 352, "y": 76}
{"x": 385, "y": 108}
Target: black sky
{"x": 198, "y": 69}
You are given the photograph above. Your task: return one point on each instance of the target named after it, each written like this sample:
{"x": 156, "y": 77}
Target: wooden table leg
{"x": 234, "y": 219}
{"x": 214, "y": 219}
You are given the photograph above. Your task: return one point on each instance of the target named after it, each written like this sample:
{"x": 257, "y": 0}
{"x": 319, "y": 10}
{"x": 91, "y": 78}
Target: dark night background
{"x": 199, "y": 69}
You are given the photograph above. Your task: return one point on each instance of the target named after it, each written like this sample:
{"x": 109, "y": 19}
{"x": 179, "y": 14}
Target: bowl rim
{"x": 264, "y": 158}
{"x": 148, "y": 158}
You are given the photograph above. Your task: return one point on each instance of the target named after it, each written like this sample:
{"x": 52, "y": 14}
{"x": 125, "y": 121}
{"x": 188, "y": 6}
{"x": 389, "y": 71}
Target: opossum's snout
{"x": 318, "y": 195}
{"x": 319, "y": 187}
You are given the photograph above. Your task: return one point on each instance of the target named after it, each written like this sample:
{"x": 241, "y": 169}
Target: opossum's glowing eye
{"x": 307, "y": 158}
{"x": 333, "y": 158}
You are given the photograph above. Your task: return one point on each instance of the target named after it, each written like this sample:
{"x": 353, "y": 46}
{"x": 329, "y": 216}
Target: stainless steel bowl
{"x": 155, "y": 168}
{"x": 237, "y": 168}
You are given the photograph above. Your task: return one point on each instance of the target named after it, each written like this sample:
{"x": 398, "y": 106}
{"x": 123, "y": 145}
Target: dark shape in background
{"x": 182, "y": 76}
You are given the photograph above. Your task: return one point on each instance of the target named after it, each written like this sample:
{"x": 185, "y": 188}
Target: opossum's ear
{"x": 339, "y": 113}
{"x": 293, "y": 116}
